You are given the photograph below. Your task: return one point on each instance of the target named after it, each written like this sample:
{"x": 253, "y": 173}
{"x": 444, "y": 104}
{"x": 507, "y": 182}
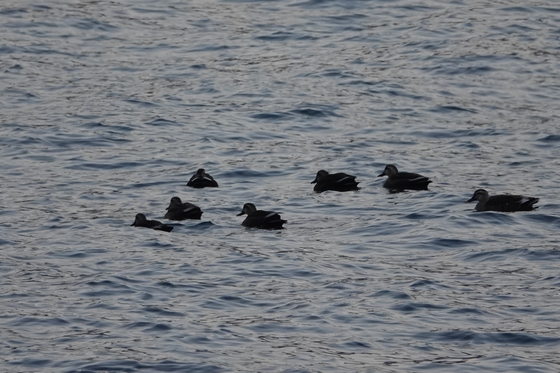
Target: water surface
{"x": 109, "y": 107}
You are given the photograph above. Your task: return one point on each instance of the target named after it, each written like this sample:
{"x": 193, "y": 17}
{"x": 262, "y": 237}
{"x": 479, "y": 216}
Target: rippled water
{"x": 108, "y": 107}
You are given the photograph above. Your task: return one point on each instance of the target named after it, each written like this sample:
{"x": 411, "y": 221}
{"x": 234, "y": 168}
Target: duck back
{"x": 184, "y": 211}
{"x": 407, "y": 180}
{"x": 263, "y": 219}
{"x": 508, "y": 203}
{"x": 339, "y": 182}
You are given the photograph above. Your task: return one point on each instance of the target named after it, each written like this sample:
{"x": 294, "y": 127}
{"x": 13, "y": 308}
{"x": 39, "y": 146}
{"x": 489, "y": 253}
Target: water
{"x": 108, "y": 107}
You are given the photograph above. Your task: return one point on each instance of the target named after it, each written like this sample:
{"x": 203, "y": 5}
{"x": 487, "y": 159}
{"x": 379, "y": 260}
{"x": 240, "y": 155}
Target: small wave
{"x": 138, "y": 325}
{"x": 36, "y": 321}
{"x": 467, "y": 311}
{"x": 523, "y": 339}
{"x": 158, "y": 328}
{"x": 249, "y": 174}
{"x": 353, "y": 345}
{"x": 5, "y": 242}
{"x": 93, "y": 24}
{"x": 312, "y": 112}
{"x": 159, "y": 122}
{"x": 551, "y": 254}
{"x": 543, "y": 218}
{"x": 141, "y": 103}
{"x": 338, "y": 73}
{"x": 328, "y": 3}
{"x": 76, "y": 254}
{"x": 446, "y": 243}
{"x": 12, "y": 12}
{"x": 461, "y": 70}
{"x": 209, "y": 48}
{"x": 109, "y": 128}
{"x": 273, "y": 116}
{"x": 35, "y": 50}
{"x": 203, "y": 225}
{"x": 415, "y": 307}
{"x": 393, "y": 92}
{"x": 136, "y": 366}
{"x": 105, "y": 166}
{"x": 517, "y": 9}
{"x": 494, "y": 255}
{"x": 422, "y": 216}
{"x": 550, "y": 138}
{"x": 391, "y": 294}
{"x": 284, "y": 36}
{"x": 426, "y": 283}
{"x": 162, "y": 312}
{"x": 108, "y": 283}
{"x": 105, "y": 293}
{"x": 492, "y": 217}
{"x": 32, "y": 363}
{"x": 450, "y": 109}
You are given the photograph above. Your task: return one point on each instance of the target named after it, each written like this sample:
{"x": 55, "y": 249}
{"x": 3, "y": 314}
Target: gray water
{"x": 108, "y": 108}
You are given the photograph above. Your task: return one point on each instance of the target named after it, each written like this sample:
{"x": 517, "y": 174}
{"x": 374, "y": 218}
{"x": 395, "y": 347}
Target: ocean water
{"x": 108, "y": 108}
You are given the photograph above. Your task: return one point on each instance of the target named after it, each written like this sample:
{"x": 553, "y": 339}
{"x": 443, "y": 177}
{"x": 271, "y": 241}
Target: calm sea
{"x": 109, "y": 106}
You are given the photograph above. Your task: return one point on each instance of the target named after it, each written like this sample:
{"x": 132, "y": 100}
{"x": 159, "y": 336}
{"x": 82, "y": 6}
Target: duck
{"x": 400, "y": 181}
{"x": 339, "y": 182}
{"x": 202, "y": 180}
{"x": 260, "y": 218}
{"x": 177, "y": 210}
{"x": 141, "y": 221}
{"x": 503, "y": 202}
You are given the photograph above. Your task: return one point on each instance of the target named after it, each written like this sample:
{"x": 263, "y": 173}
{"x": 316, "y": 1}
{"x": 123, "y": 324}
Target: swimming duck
{"x": 177, "y": 210}
{"x": 202, "y": 180}
{"x": 399, "y": 181}
{"x": 260, "y": 219}
{"x": 503, "y": 203}
{"x": 339, "y": 182}
{"x": 141, "y": 221}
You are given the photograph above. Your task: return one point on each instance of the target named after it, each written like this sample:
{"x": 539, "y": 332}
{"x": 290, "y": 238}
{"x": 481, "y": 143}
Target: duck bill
{"x": 241, "y": 213}
{"x": 314, "y": 181}
{"x": 470, "y": 200}
{"x": 381, "y": 174}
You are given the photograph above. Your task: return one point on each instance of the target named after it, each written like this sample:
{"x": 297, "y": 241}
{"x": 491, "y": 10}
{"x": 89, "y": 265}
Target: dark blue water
{"x": 108, "y": 108}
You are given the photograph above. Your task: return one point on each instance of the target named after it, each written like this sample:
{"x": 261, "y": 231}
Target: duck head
{"x": 479, "y": 195}
{"x": 320, "y": 175}
{"x": 389, "y": 170}
{"x": 247, "y": 208}
{"x": 139, "y": 219}
{"x": 175, "y": 201}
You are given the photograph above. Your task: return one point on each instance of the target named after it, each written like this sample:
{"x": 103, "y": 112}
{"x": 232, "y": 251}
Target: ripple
{"x": 109, "y": 107}
{"x": 162, "y": 312}
{"x": 36, "y": 321}
{"x": 415, "y": 307}
{"x": 131, "y": 366}
{"x": 522, "y": 339}
{"x": 93, "y": 24}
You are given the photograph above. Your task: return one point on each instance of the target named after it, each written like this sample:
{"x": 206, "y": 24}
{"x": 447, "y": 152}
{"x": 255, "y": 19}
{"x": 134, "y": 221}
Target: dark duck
{"x": 260, "y": 218}
{"x": 339, "y": 182}
{"x": 503, "y": 202}
{"x": 202, "y": 180}
{"x": 400, "y": 181}
{"x": 177, "y": 210}
{"x": 141, "y": 221}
